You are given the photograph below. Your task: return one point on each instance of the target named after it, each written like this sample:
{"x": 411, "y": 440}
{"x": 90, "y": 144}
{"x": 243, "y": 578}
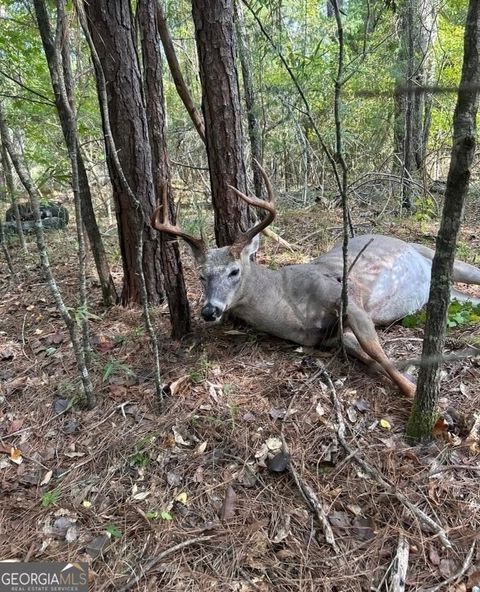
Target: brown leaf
{"x": 229, "y": 503}
{"x": 339, "y": 520}
{"x": 473, "y": 579}
{"x": 433, "y": 556}
{"x": 447, "y": 567}
{"x": 363, "y": 528}
{"x": 103, "y": 343}
{"x": 6, "y": 353}
{"x": 14, "y": 426}
{"x": 55, "y": 338}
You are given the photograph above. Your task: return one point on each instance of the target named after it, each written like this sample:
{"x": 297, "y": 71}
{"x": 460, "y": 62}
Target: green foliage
{"x": 114, "y": 531}
{"x": 114, "y": 366}
{"x": 200, "y": 372}
{"x": 460, "y": 314}
{"x": 50, "y": 498}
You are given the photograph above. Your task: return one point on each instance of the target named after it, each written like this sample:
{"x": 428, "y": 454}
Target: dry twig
{"x": 156, "y": 560}
{"x": 375, "y": 473}
{"x": 460, "y": 573}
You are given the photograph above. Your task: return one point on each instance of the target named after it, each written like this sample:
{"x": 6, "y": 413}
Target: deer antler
{"x": 163, "y": 224}
{"x": 267, "y": 205}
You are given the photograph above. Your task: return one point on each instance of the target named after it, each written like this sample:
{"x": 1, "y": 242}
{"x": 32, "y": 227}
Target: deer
{"x": 389, "y": 279}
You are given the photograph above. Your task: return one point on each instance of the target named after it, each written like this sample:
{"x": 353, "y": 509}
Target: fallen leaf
{"x": 274, "y": 444}
{"x": 6, "y": 353}
{"x": 279, "y": 462}
{"x": 173, "y": 479}
{"x": 175, "y": 387}
{"x": 61, "y": 405}
{"x": 362, "y": 405}
{"x": 277, "y": 413}
{"x": 339, "y": 520}
{"x": 86, "y": 504}
{"x": 229, "y": 503}
{"x": 447, "y": 567}
{"x": 200, "y": 449}
{"x": 15, "y": 425}
{"x": 103, "y": 343}
{"x": 97, "y": 546}
{"x": 46, "y": 478}
{"x": 433, "y": 556}
{"x": 141, "y": 495}
{"x": 473, "y": 579}
{"x": 182, "y": 498}
{"x": 319, "y": 410}
{"x": 351, "y": 414}
{"x": 385, "y": 424}
{"x": 363, "y": 528}
{"x": 282, "y": 530}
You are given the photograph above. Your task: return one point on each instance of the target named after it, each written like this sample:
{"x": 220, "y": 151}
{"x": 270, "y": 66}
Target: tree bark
{"x": 61, "y": 74}
{"x": 423, "y": 414}
{"x": 155, "y": 105}
{"x": 417, "y": 32}
{"x": 214, "y": 34}
{"x": 111, "y": 27}
{"x": 7, "y": 171}
{"x": 254, "y": 131}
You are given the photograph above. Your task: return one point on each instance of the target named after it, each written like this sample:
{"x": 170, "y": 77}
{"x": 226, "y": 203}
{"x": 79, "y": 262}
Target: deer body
{"x": 301, "y": 303}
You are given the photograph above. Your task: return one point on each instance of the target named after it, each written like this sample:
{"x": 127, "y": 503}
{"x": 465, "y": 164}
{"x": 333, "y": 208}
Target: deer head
{"x": 224, "y": 271}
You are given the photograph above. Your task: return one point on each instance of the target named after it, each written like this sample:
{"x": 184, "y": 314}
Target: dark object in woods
{"x": 54, "y": 216}
{"x": 438, "y": 187}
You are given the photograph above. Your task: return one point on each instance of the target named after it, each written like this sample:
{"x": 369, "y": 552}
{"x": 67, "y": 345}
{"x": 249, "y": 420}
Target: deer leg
{"x": 355, "y": 350}
{"x": 364, "y": 330}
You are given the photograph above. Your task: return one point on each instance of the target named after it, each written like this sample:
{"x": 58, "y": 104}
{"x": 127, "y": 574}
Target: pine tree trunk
{"x": 155, "y": 105}
{"x": 112, "y": 31}
{"x": 423, "y": 413}
{"x": 221, "y": 111}
{"x": 254, "y": 132}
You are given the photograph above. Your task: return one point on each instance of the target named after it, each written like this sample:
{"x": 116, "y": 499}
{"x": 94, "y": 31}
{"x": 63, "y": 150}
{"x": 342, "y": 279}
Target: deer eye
{"x": 234, "y": 272}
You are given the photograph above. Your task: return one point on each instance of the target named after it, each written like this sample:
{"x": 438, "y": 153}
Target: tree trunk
{"x": 7, "y": 171}
{"x": 112, "y": 31}
{"x": 254, "y": 132}
{"x": 221, "y": 111}
{"x": 62, "y": 76}
{"x": 423, "y": 414}
{"x": 155, "y": 105}
{"x": 70, "y": 323}
{"x": 417, "y": 26}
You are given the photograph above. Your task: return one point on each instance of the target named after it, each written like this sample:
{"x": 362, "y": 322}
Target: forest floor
{"x": 188, "y": 498}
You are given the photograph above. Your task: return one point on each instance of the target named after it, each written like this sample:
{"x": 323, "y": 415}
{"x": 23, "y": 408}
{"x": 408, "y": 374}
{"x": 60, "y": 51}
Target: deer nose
{"x": 210, "y": 312}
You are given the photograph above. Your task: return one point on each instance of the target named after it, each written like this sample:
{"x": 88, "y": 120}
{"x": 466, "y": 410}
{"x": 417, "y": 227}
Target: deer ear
{"x": 198, "y": 254}
{"x": 251, "y": 248}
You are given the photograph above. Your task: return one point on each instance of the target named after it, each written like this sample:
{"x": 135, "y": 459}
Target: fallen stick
{"x": 375, "y": 473}
{"x": 399, "y": 578}
{"x": 460, "y": 573}
{"x": 156, "y": 560}
{"x": 307, "y": 492}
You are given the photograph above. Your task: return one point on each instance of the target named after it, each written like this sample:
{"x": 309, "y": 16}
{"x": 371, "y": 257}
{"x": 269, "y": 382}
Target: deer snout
{"x": 211, "y": 313}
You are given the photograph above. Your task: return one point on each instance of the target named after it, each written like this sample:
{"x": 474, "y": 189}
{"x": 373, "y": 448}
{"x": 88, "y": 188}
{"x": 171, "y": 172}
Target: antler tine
{"x": 162, "y": 223}
{"x": 247, "y": 236}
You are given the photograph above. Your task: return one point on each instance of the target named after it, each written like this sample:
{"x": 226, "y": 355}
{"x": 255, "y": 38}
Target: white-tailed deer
{"x": 300, "y": 303}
